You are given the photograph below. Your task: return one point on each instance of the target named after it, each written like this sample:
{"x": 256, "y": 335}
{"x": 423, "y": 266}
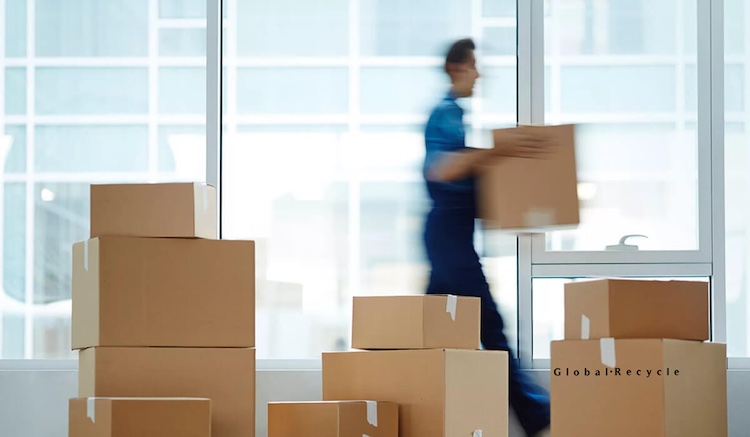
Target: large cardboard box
{"x": 224, "y": 375}
{"x": 142, "y": 417}
{"x": 183, "y": 210}
{"x": 441, "y": 393}
{"x": 416, "y": 322}
{"x": 638, "y": 387}
{"x": 531, "y": 194}
{"x": 624, "y": 308}
{"x": 333, "y": 419}
{"x": 130, "y": 291}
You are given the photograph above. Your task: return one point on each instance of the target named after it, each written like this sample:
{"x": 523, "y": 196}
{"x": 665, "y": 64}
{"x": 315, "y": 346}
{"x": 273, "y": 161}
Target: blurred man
{"x": 449, "y": 229}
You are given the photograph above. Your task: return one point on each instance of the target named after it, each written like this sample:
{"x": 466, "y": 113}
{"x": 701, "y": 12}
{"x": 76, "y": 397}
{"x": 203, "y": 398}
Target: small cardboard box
{"x": 333, "y": 419}
{"x": 142, "y": 417}
{"x": 626, "y": 308}
{"x": 416, "y": 322}
{"x": 130, "y": 291}
{"x": 528, "y": 195}
{"x": 224, "y": 375}
{"x": 181, "y": 210}
{"x": 638, "y": 387}
{"x": 440, "y": 393}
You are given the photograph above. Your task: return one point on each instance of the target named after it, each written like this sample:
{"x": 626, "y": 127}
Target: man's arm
{"x": 460, "y": 164}
{"x": 464, "y": 163}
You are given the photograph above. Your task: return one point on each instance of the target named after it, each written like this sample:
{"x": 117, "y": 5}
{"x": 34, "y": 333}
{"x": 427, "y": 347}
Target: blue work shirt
{"x": 445, "y": 133}
{"x": 449, "y": 225}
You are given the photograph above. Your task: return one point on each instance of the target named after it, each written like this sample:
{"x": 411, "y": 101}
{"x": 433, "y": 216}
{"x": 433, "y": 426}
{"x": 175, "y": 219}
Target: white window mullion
{"x": 153, "y": 87}
{"x": 353, "y": 147}
{"x": 530, "y": 107}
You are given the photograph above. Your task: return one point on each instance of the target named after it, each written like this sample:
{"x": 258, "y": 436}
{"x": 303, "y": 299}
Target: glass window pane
{"x": 14, "y": 244}
{"x": 390, "y": 152}
{"x": 297, "y": 90}
{"x": 13, "y": 149}
{"x": 734, "y": 27}
{"x": 182, "y": 91}
{"x": 15, "y": 28}
{"x": 87, "y": 90}
{"x": 637, "y": 142}
{"x": 292, "y": 28}
{"x": 391, "y": 251}
{"x": 736, "y": 180}
{"x": 402, "y": 90}
{"x": 499, "y": 41}
{"x": 286, "y": 191}
{"x": 182, "y": 151}
{"x": 634, "y": 179}
{"x": 549, "y": 310}
{"x": 362, "y": 174}
{"x": 183, "y": 8}
{"x": 72, "y": 149}
{"x": 92, "y": 28}
{"x": 499, "y": 90}
{"x": 614, "y": 27}
{"x": 90, "y": 124}
{"x": 691, "y": 92}
{"x": 499, "y": 8}
{"x": 52, "y": 334}
{"x": 182, "y": 42}
{"x": 734, "y": 84}
{"x": 613, "y": 89}
{"x": 412, "y": 27}
{"x": 61, "y": 217}
{"x": 13, "y": 323}
{"x": 15, "y": 91}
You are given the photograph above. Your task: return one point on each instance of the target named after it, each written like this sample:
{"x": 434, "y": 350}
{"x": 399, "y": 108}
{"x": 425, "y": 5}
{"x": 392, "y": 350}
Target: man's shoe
{"x": 544, "y": 433}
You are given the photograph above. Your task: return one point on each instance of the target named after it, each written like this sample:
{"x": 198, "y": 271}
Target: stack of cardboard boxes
{"x": 635, "y": 362}
{"x": 163, "y": 309}
{"x": 422, "y": 353}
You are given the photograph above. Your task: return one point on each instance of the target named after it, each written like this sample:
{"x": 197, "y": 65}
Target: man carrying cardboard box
{"x": 449, "y": 228}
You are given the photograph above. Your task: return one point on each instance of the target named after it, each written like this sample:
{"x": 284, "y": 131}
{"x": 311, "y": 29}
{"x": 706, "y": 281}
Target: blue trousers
{"x": 456, "y": 269}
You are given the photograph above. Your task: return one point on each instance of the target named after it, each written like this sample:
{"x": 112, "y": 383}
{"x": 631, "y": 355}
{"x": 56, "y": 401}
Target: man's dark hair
{"x": 459, "y": 51}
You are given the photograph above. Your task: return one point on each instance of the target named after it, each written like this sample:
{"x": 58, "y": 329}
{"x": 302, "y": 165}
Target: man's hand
{"x": 520, "y": 144}
{"x": 451, "y": 167}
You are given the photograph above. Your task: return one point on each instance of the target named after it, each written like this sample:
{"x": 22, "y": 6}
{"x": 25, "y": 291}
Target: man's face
{"x": 465, "y": 76}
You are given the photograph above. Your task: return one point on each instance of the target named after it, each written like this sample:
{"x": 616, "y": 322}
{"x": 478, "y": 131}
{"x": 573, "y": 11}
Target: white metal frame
{"x": 708, "y": 260}
{"x": 213, "y": 98}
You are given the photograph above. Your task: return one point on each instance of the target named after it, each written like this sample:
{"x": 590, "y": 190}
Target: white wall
{"x": 33, "y": 403}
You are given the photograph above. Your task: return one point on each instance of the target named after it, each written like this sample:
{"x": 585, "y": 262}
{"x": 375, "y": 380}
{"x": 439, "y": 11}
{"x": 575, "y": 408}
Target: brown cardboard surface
{"x": 130, "y": 291}
{"x": 415, "y": 322}
{"x": 142, "y": 417}
{"x": 688, "y": 399}
{"x": 224, "y": 375}
{"x": 331, "y": 419}
{"x": 440, "y": 393}
{"x": 627, "y": 308}
{"x": 184, "y": 210}
{"x": 532, "y": 194}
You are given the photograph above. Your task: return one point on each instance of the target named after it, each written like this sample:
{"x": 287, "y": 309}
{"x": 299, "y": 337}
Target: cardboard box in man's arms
{"x": 532, "y": 195}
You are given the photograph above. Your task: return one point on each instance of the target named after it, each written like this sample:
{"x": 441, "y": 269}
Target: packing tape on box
{"x": 365, "y": 435}
{"x": 585, "y": 327}
{"x": 372, "y": 412}
{"x": 91, "y": 409}
{"x": 477, "y": 433}
{"x": 450, "y": 306}
{"x": 607, "y": 349}
{"x": 86, "y": 255}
